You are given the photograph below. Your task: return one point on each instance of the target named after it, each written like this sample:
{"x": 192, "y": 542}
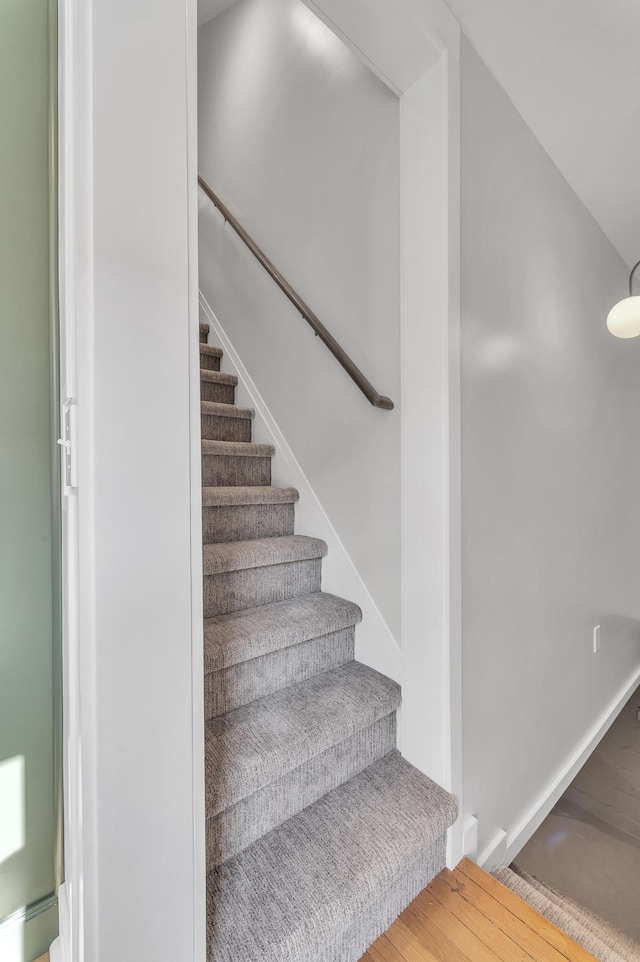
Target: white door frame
{"x": 78, "y": 897}
{"x": 414, "y": 47}
{"x": 78, "y": 666}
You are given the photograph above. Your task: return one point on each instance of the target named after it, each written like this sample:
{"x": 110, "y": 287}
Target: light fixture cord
{"x": 633, "y": 270}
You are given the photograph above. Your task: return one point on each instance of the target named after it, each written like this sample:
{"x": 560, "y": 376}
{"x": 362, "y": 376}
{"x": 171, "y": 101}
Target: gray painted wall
{"x": 550, "y": 463}
{"x": 27, "y": 609}
{"x": 302, "y": 141}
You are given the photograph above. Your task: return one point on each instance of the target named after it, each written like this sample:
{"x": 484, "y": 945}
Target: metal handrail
{"x": 354, "y": 372}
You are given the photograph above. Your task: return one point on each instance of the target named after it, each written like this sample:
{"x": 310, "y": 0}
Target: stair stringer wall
{"x": 376, "y": 645}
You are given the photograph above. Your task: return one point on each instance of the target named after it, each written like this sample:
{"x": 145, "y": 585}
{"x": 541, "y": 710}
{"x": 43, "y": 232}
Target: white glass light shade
{"x": 624, "y": 318}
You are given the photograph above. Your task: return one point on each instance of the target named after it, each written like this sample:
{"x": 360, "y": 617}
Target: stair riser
{"x": 233, "y": 471}
{"x": 240, "y": 684}
{"x": 245, "y": 522}
{"x": 238, "y": 826}
{"x": 222, "y": 393}
{"x": 353, "y": 943}
{"x": 209, "y": 363}
{"x": 204, "y": 337}
{"x": 214, "y": 428}
{"x": 234, "y": 590}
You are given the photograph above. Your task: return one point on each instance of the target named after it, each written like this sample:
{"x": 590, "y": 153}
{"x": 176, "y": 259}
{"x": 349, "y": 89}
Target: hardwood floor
{"x": 468, "y": 916}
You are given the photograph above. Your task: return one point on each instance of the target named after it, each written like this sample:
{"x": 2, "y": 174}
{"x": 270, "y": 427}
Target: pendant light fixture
{"x": 624, "y": 318}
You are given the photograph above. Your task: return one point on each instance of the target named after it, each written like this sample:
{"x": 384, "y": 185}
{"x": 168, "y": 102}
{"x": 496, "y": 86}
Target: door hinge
{"x": 68, "y": 443}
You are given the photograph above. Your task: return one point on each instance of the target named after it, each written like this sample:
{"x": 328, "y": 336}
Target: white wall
{"x": 302, "y": 141}
{"x": 141, "y": 769}
{"x": 582, "y": 104}
{"x": 550, "y": 464}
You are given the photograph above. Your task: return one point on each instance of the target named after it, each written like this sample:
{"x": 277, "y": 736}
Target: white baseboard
{"x": 455, "y": 842}
{"x": 56, "y": 952}
{"x": 59, "y": 950}
{"x": 533, "y": 817}
{"x": 470, "y": 837}
{"x": 375, "y": 643}
{"x": 494, "y": 855}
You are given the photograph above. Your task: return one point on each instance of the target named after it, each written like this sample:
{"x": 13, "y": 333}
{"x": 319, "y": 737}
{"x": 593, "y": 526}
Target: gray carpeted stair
{"x": 595, "y": 935}
{"x": 216, "y": 386}
{"x": 252, "y": 652}
{"x": 243, "y": 574}
{"x": 233, "y": 829}
{"x": 225, "y": 422}
{"x": 303, "y": 889}
{"x": 210, "y": 357}
{"x": 241, "y": 513}
{"x": 235, "y": 463}
{"x": 271, "y": 736}
{"x": 318, "y": 832}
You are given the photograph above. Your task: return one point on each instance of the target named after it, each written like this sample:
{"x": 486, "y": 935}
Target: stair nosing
{"x": 218, "y": 377}
{"x": 220, "y": 655}
{"x": 226, "y": 556}
{"x": 228, "y": 496}
{"x": 221, "y": 410}
{"x": 210, "y": 350}
{"x": 236, "y": 449}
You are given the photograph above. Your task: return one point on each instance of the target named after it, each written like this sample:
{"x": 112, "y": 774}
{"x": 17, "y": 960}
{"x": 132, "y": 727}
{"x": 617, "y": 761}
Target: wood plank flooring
{"x": 468, "y": 916}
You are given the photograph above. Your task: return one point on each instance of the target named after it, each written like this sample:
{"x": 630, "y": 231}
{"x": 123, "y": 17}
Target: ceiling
{"x": 572, "y": 69}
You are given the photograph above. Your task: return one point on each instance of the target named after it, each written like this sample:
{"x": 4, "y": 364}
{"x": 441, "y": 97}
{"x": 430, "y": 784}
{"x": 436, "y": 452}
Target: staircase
{"x": 318, "y": 832}
{"x": 602, "y": 940}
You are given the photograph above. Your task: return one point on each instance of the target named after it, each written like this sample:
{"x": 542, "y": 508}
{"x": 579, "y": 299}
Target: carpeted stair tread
{"x": 240, "y": 555}
{"x": 238, "y": 826}
{"x": 594, "y": 934}
{"x": 253, "y": 632}
{"x": 217, "y": 386}
{"x": 209, "y": 350}
{"x": 237, "y": 449}
{"x": 247, "y": 681}
{"x": 219, "y": 410}
{"x": 293, "y": 894}
{"x": 256, "y": 494}
{"x": 247, "y": 515}
{"x": 219, "y": 377}
{"x": 252, "y": 746}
